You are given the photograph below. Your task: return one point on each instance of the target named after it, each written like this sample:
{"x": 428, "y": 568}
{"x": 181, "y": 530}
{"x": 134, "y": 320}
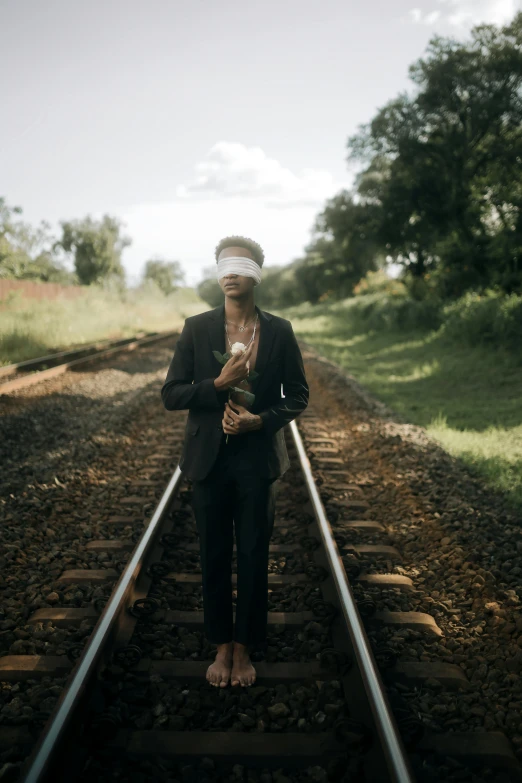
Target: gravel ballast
{"x": 72, "y": 450}
{"x": 461, "y": 545}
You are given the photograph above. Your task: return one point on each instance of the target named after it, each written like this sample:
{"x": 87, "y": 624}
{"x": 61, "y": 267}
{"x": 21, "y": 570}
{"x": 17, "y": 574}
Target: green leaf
{"x": 226, "y": 356}
{"x": 221, "y": 359}
{"x": 253, "y": 375}
{"x": 249, "y": 397}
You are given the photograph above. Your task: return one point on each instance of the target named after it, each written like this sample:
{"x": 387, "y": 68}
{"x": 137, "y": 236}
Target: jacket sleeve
{"x": 295, "y": 389}
{"x": 179, "y": 392}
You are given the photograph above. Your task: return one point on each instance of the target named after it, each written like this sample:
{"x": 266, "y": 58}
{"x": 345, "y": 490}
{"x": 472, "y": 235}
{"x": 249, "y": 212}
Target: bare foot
{"x": 218, "y": 673}
{"x": 243, "y": 673}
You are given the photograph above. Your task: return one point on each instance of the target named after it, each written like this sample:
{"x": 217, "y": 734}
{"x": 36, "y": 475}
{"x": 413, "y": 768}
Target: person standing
{"x": 234, "y": 448}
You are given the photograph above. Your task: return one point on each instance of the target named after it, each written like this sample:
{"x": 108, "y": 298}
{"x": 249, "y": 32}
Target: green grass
{"x": 467, "y": 398}
{"x": 35, "y": 327}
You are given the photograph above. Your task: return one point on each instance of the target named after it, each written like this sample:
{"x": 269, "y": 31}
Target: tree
{"x": 343, "y": 249}
{"x": 450, "y": 205}
{"x": 96, "y": 246}
{"x": 280, "y": 287}
{"x": 168, "y": 275}
{"x": 27, "y": 253}
{"x": 209, "y": 289}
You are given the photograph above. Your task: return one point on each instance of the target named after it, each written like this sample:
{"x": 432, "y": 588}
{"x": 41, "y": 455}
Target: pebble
{"x": 450, "y": 554}
{"x": 459, "y": 543}
{"x": 314, "y": 628}
{"x": 278, "y": 710}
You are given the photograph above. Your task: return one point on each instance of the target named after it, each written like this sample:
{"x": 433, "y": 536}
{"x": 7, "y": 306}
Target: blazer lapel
{"x": 216, "y": 333}
{"x": 266, "y": 338}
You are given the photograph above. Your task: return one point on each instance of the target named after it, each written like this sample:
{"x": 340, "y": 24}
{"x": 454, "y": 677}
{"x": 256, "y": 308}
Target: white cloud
{"x": 419, "y": 18}
{"x": 189, "y": 231}
{"x": 231, "y": 169}
{"x": 470, "y": 12}
{"x": 467, "y": 13}
{"x": 236, "y": 190}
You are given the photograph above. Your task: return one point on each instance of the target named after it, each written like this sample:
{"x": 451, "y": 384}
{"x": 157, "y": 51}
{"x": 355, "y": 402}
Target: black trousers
{"x": 233, "y": 496}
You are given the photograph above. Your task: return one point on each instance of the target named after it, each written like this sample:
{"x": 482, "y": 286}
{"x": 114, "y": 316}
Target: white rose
{"x": 237, "y": 348}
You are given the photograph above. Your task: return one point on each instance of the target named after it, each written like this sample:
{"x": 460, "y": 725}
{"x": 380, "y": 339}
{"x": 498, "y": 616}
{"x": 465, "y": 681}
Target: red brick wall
{"x": 38, "y": 290}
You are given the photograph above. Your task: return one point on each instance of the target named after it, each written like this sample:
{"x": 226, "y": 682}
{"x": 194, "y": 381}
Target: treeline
{"x": 440, "y": 190}
{"x": 92, "y": 247}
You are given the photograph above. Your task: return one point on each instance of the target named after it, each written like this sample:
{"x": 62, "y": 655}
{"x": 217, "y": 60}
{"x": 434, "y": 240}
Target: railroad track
{"x": 330, "y": 702}
{"x": 32, "y": 371}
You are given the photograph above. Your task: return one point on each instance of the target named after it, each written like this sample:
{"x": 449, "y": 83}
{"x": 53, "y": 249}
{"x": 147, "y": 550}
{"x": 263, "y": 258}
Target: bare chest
{"x": 235, "y": 336}
{"x": 245, "y": 337}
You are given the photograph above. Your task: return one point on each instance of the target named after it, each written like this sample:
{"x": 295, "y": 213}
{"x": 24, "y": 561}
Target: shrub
{"x": 376, "y": 311}
{"x": 488, "y": 318}
{"x": 379, "y": 282}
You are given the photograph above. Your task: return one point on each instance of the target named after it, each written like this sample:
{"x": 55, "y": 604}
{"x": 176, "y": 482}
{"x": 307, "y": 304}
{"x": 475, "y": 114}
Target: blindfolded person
{"x": 239, "y": 372}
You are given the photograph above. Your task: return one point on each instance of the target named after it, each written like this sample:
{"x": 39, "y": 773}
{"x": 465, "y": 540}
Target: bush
{"x": 376, "y": 311}
{"x": 489, "y": 318}
{"x": 379, "y": 282}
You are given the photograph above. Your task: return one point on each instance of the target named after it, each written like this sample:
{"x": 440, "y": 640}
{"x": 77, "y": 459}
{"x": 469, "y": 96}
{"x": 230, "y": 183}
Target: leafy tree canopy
{"x": 27, "y": 253}
{"x": 168, "y": 275}
{"x": 96, "y": 247}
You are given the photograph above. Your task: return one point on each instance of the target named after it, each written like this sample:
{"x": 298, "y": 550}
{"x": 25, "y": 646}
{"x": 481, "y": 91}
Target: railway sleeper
{"x": 368, "y": 525}
{"x": 82, "y": 575}
{"x": 324, "y": 440}
{"x": 363, "y": 550}
{"x": 449, "y": 675}
{"x": 340, "y": 486}
{"x": 334, "y": 473}
{"x": 260, "y": 750}
{"x": 274, "y": 580}
{"x": 343, "y": 503}
{"x": 66, "y": 617}
{"x": 417, "y": 621}
{"x": 17, "y": 668}
{"x": 79, "y": 576}
{"x": 133, "y": 500}
{"x": 119, "y": 519}
{"x": 109, "y": 545}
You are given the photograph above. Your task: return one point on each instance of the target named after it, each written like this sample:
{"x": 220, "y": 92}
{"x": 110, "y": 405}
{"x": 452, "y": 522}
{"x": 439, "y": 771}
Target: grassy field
{"x": 467, "y": 398}
{"x": 35, "y": 327}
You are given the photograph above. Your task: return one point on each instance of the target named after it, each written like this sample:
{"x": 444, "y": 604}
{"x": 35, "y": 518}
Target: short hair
{"x": 248, "y": 244}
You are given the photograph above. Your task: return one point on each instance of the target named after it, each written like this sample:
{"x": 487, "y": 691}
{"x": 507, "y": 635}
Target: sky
{"x": 192, "y": 120}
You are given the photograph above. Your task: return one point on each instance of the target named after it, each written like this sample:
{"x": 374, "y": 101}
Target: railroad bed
{"x": 32, "y": 371}
{"x": 151, "y": 715}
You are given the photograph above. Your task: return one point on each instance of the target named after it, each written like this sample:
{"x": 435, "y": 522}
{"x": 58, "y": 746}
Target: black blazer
{"x": 190, "y": 384}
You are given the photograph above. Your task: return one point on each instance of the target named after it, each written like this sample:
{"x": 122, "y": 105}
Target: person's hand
{"x": 238, "y": 419}
{"x": 235, "y": 370}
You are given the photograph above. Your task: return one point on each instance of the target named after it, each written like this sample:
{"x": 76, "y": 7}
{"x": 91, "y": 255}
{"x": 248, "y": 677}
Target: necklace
{"x": 242, "y": 328}
{"x": 251, "y": 339}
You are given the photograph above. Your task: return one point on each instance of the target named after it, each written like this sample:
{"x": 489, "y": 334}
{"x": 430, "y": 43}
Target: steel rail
{"x": 385, "y": 724}
{"x": 59, "y": 369}
{"x": 49, "y": 743}
{"x": 9, "y": 369}
{"x": 48, "y": 747}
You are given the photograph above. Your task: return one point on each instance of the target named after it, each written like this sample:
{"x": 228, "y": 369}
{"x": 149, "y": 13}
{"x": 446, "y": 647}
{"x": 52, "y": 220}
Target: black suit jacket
{"x": 190, "y": 384}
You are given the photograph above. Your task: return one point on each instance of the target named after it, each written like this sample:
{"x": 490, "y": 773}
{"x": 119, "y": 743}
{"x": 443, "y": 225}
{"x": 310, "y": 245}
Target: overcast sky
{"x": 195, "y": 119}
